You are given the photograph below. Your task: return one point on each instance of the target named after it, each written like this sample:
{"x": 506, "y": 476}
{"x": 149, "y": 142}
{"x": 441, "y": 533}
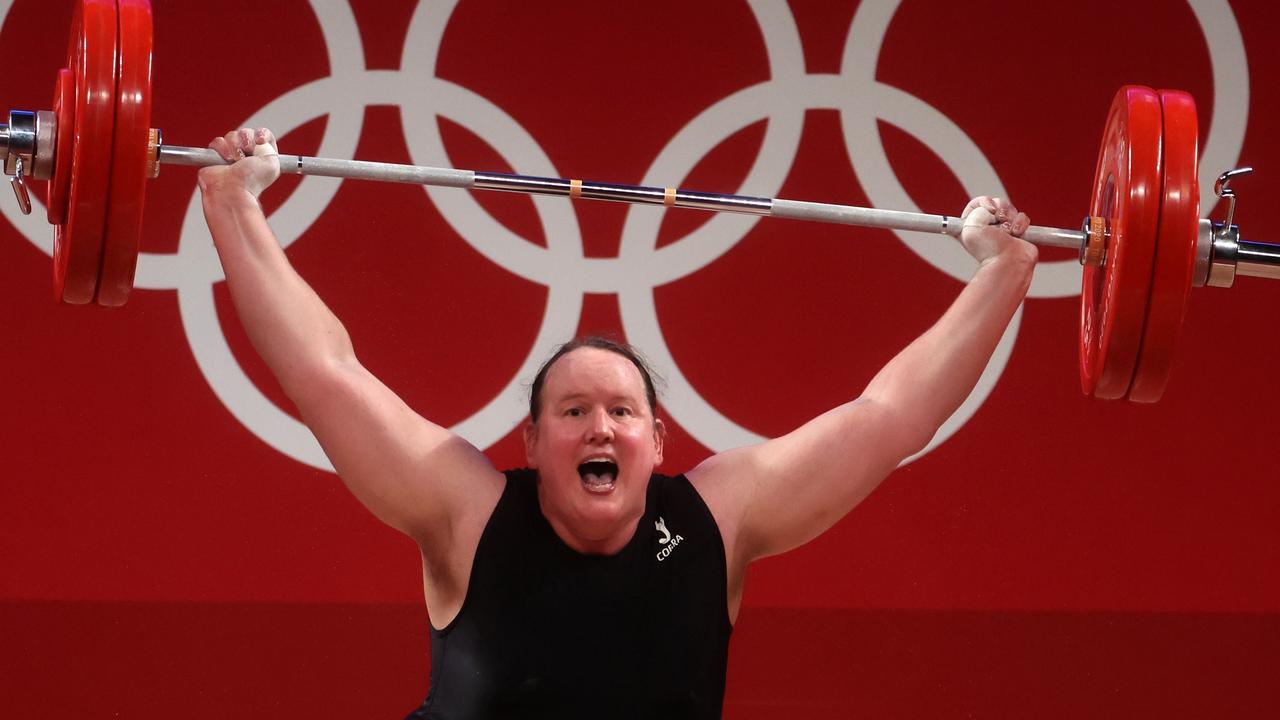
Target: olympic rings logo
{"x": 640, "y": 267}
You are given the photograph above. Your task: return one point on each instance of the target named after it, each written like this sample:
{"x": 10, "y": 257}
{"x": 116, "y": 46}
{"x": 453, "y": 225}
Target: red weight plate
{"x": 129, "y": 161}
{"x": 1126, "y": 192}
{"x": 64, "y": 109}
{"x": 1175, "y": 247}
{"x": 78, "y": 242}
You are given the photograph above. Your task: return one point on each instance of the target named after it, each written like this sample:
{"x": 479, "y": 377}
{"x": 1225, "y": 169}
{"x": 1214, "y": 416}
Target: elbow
{"x": 319, "y": 380}
{"x": 301, "y": 360}
{"x": 914, "y": 435}
{"x": 336, "y": 348}
{"x": 917, "y": 439}
{"x": 332, "y": 362}
{"x": 902, "y": 431}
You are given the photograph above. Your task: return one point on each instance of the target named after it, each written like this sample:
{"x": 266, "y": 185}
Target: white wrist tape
{"x": 979, "y": 217}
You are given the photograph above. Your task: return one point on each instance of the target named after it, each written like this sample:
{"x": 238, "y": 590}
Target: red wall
{"x": 167, "y": 539}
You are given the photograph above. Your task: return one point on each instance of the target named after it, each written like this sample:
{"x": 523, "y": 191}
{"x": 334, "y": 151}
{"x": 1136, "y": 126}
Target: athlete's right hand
{"x": 993, "y": 227}
{"x": 252, "y": 164}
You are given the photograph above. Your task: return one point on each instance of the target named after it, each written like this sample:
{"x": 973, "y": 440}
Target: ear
{"x": 659, "y": 437}
{"x": 530, "y": 439}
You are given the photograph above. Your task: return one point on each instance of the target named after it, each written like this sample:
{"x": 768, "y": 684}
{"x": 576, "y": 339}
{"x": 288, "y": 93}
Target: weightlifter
{"x": 587, "y": 585}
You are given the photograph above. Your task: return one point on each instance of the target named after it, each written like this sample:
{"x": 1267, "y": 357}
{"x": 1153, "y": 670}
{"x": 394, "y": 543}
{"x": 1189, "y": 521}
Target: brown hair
{"x": 600, "y": 343}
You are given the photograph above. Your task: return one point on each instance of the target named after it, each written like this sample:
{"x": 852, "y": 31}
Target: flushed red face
{"x": 595, "y": 444}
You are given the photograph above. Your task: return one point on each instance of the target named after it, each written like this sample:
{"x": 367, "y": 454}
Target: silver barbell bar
{"x": 639, "y": 194}
{"x": 1221, "y": 254}
{"x": 27, "y": 148}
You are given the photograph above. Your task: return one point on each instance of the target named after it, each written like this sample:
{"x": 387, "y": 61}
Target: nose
{"x": 600, "y": 428}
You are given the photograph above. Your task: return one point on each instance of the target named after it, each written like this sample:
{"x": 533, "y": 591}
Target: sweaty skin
{"x": 594, "y": 408}
{"x": 430, "y": 484}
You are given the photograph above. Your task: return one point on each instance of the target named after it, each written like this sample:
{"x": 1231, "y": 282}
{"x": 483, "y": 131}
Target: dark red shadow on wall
{"x": 236, "y": 661}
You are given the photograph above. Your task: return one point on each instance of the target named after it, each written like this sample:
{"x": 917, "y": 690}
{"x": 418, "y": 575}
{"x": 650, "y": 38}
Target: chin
{"x": 611, "y": 507}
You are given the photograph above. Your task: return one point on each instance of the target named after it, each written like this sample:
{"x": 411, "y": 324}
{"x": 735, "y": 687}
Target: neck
{"x": 592, "y": 538}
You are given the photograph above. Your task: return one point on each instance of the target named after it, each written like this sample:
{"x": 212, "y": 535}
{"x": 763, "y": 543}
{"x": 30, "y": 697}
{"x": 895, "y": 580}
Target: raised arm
{"x": 775, "y": 496}
{"x": 413, "y": 474}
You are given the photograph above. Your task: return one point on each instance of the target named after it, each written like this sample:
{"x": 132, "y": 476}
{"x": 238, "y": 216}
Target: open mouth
{"x": 598, "y": 475}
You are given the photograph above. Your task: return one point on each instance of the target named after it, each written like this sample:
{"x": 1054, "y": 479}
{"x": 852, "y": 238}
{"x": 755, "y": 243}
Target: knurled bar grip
{"x": 353, "y": 169}
{"x": 920, "y": 222}
{"x": 640, "y": 194}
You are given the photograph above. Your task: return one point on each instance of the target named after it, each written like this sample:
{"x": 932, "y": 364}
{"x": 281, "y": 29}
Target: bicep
{"x": 413, "y": 474}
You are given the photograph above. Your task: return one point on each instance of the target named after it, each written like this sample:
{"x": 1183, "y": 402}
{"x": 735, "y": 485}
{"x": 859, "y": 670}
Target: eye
{"x": 573, "y": 412}
{"x": 622, "y": 411}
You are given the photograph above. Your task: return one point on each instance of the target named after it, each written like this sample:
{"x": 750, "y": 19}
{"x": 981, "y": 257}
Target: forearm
{"x": 782, "y": 493}
{"x": 290, "y": 327}
{"x": 933, "y": 375}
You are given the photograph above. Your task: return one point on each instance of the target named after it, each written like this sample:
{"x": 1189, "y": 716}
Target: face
{"x": 594, "y": 445}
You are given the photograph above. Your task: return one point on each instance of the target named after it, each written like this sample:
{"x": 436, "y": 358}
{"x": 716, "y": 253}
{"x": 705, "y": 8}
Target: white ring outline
{"x": 1228, "y": 121}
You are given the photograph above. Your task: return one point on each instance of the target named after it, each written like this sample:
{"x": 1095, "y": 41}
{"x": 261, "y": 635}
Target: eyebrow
{"x": 583, "y": 396}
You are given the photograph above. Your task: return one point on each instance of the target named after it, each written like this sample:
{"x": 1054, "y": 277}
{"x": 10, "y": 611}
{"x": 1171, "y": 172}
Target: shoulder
{"x": 675, "y": 496}
{"x": 724, "y": 481}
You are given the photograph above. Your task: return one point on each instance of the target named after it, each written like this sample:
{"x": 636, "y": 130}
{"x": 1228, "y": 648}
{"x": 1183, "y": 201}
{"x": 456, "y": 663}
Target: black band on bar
{"x": 642, "y": 194}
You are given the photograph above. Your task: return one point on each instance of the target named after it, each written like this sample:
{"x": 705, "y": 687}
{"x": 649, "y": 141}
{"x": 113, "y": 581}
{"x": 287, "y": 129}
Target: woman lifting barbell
{"x": 587, "y": 585}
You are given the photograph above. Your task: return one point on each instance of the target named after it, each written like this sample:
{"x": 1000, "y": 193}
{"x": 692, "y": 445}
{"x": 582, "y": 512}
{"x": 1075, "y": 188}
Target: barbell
{"x": 1143, "y": 245}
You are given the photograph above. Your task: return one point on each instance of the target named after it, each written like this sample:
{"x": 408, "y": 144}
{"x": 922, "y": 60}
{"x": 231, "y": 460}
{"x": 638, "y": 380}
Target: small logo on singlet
{"x": 667, "y": 541}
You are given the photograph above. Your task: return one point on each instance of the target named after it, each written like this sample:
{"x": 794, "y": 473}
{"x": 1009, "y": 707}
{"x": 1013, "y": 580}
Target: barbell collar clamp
{"x": 20, "y": 186}
{"x": 26, "y": 142}
{"x": 1093, "y": 249}
{"x": 1223, "y": 264}
{"x": 19, "y": 139}
{"x": 1222, "y": 188}
{"x": 29, "y": 137}
{"x": 1232, "y": 256}
{"x": 1229, "y": 255}
{"x": 1204, "y": 252}
{"x": 155, "y": 140}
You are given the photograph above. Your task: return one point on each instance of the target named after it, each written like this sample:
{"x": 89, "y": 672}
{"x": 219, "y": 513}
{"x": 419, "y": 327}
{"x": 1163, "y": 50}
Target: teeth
{"x": 598, "y": 472}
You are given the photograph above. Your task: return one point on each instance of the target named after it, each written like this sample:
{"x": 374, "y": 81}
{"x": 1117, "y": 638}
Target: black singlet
{"x": 547, "y": 632}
